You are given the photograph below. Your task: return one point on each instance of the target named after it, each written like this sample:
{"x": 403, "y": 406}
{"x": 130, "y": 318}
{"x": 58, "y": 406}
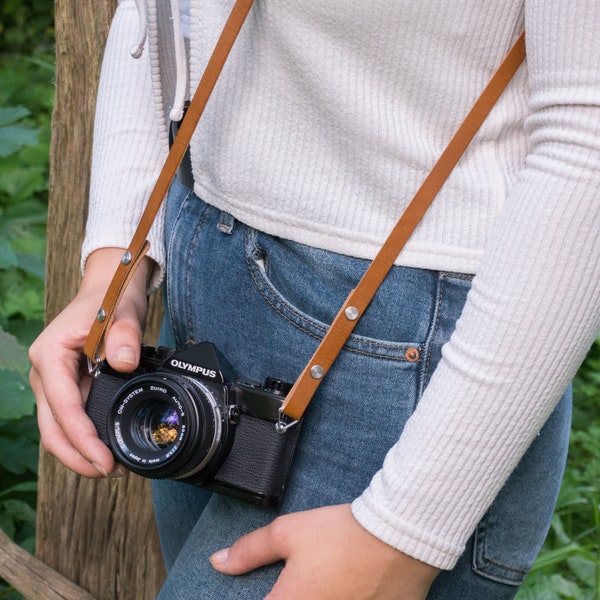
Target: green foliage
{"x": 26, "y": 26}
{"x": 569, "y": 565}
{"x": 26, "y": 96}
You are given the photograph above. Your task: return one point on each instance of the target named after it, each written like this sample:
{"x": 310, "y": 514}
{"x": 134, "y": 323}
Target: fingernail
{"x": 119, "y": 471}
{"x": 126, "y": 355}
{"x": 100, "y": 469}
{"x": 219, "y": 558}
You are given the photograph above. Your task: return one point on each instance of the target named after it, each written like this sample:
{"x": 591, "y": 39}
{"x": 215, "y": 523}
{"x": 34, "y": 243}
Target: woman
{"x": 323, "y": 124}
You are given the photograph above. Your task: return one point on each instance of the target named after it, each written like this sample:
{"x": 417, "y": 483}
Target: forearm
{"x": 520, "y": 340}
{"x": 532, "y": 314}
{"x": 128, "y": 149}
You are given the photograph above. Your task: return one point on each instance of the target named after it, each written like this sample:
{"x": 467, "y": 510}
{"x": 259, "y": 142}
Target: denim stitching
{"x": 194, "y": 243}
{"x": 251, "y": 237}
{"x": 170, "y": 252}
{"x": 481, "y": 562}
{"x": 176, "y": 307}
{"x": 435, "y": 321}
{"x": 459, "y": 276}
{"x": 268, "y": 295}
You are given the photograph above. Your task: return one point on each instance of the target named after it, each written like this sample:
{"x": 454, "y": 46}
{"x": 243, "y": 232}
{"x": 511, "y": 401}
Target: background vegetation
{"x": 568, "y": 567}
{"x": 26, "y": 91}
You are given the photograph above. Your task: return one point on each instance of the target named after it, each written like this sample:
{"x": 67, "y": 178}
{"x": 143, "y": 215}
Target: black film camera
{"x": 176, "y": 417}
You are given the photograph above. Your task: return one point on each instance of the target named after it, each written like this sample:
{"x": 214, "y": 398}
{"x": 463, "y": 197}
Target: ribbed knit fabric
{"x": 323, "y": 125}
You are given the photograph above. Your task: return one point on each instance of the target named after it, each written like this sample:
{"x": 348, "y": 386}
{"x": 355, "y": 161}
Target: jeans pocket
{"x": 299, "y": 285}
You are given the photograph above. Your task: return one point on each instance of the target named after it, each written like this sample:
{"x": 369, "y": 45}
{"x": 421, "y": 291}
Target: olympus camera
{"x": 177, "y": 417}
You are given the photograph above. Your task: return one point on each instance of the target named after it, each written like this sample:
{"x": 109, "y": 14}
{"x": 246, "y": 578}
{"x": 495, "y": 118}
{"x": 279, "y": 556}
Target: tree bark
{"x": 99, "y": 534}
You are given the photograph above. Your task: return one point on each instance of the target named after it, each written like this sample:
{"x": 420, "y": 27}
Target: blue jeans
{"x": 265, "y": 303}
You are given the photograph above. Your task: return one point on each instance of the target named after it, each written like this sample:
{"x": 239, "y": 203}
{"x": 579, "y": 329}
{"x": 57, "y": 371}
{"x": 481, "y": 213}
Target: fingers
{"x": 328, "y": 556}
{"x": 60, "y": 385}
{"x": 257, "y": 549}
{"x": 55, "y": 442}
{"x": 59, "y": 382}
{"x": 65, "y": 430}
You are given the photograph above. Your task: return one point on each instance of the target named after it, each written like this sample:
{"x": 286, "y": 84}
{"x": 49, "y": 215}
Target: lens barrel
{"x": 166, "y": 425}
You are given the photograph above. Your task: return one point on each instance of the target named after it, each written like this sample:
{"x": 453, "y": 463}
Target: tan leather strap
{"x": 357, "y": 301}
{"x": 95, "y": 344}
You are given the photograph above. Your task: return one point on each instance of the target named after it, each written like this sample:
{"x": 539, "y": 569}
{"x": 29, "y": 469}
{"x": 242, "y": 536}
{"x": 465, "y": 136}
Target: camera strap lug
{"x": 283, "y": 423}
{"x": 93, "y": 367}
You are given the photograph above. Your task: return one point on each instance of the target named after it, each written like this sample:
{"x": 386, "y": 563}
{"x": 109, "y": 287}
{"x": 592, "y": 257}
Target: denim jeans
{"x": 265, "y": 303}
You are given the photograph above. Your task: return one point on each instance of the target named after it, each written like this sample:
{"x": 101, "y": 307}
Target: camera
{"x": 178, "y": 417}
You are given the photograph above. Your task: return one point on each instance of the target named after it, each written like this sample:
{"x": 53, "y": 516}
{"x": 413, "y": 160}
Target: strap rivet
{"x": 101, "y": 315}
{"x": 317, "y": 372}
{"x": 351, "y": 313}
{"x": 126, "y": 258}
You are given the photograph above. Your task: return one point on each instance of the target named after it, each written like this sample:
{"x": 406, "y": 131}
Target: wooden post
{"x": 33, "y": 578}
{"x": 98, "y": 534}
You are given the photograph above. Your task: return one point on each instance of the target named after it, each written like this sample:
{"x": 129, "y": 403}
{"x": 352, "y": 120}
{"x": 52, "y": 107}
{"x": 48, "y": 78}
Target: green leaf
{"x": 586, "y": 569}
{"x": 15, "y": 137}
{"x": 27, "y": 486}
{"x": 12, "y": 114}
{"x": 19, "y": 510}
{"x": 18, "y": 455}
{"x": 7, "y": 524}
{"x": 8, "y": 258}
{"x": 32, "y": 264}
{"x": 21, "y": 295}
{"x": 25, "y": 330}
{"x": 20, "y": 182}
{"x": 16, "y": 398}
{"x": 12, "y": 355}
{"x": 566, "y": 588}
{"x": 553, "y": 557}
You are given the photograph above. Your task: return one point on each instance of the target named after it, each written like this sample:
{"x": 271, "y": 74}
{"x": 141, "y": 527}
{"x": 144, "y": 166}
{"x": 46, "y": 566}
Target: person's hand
{"x": 328, "y": 556}
{"x": 59, "y": 375}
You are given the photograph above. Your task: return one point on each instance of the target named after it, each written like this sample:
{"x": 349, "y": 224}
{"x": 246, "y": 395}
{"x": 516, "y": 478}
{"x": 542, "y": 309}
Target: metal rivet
{"x": 351, "y": 313}
{"x": 412, "y": 355}
{"x": 101, "y": 315}
{"x": 317, "y": 371}
{"x": 126, "y": 258}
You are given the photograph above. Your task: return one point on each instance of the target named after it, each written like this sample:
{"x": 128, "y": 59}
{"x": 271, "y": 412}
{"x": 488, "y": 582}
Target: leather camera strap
{"x": 359, "y": 298}
{"x": 94, "y": 347}
{"x": 357, "y": 301}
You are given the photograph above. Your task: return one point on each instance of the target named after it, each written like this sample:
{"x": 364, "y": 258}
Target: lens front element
{"x": 165, "y": 426}
{"x": 156, "y": 425}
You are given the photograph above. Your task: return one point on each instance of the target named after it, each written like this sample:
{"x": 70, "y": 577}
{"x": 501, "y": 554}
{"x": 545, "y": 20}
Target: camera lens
{"x": 167, "y": 425}
{"x": 155, "y": 425}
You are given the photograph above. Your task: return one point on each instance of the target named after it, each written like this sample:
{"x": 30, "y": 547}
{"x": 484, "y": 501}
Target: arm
{"x": 127, "y": 154}
{"x": 129, "y": 147}
{"x": 533, "y": 312}
{"x": 531, "y": 316}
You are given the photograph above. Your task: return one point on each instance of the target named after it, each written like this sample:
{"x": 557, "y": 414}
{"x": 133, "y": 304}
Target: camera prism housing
{"x": 177, "y": 417}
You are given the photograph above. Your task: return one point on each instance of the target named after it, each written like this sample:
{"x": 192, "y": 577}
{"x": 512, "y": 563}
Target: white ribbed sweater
{"x": 323, "y": 125}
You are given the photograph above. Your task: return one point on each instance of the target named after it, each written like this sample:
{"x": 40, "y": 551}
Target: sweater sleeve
{"x": 128, "y": 151}
{"x": 532, "y": 313}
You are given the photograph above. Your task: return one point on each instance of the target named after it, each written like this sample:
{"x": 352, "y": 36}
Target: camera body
{"x": 177, "y": 417}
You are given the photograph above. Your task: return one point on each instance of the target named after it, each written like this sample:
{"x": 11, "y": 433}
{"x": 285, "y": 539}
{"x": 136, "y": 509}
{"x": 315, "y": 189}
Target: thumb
{"x": 123, "y": 344}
